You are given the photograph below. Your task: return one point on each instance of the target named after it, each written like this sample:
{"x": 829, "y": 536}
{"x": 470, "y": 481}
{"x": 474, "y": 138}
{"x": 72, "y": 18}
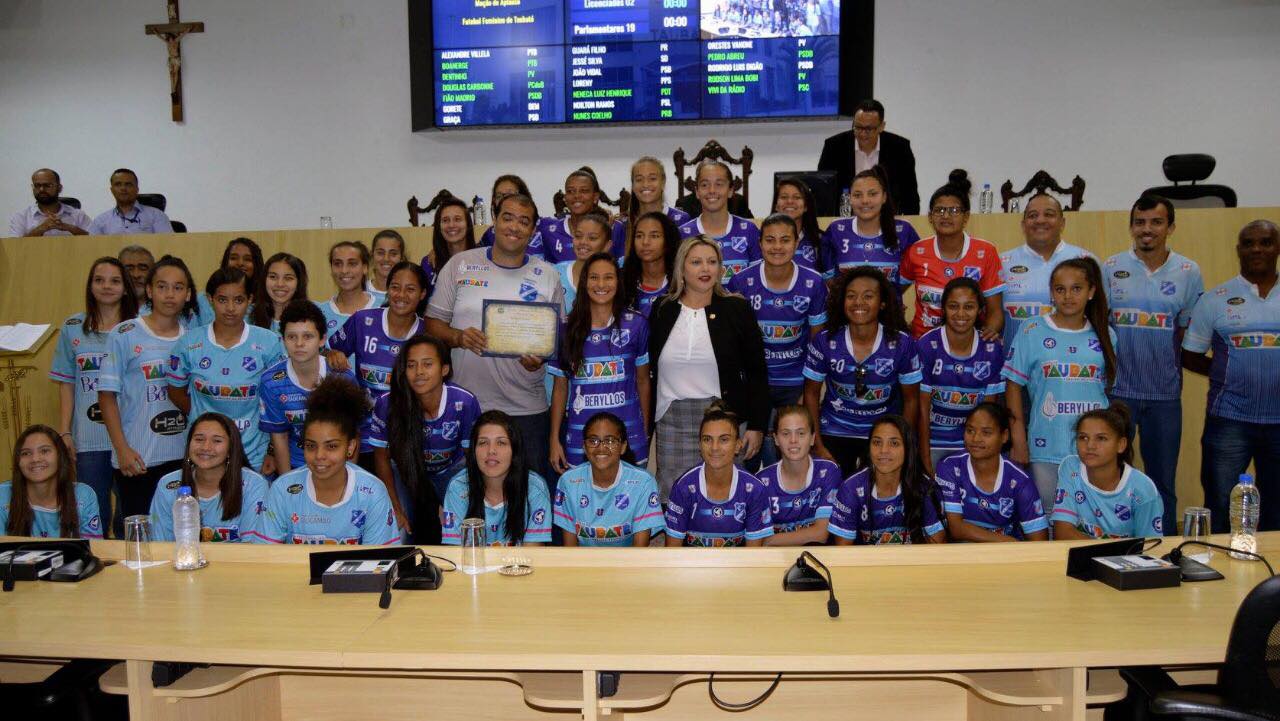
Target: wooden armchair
{"x": 415, "y": 211}
{"x": 713, "y": 150}
{"x": 1043, "y": 182}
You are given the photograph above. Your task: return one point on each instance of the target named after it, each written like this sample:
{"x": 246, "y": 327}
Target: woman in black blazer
{"x": 704, "y": 344}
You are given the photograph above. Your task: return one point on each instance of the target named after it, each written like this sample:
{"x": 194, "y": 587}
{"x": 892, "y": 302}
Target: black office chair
{"x": 1193, "y": 167}
{"x": 1248, "y": 687}
{"x": 153, "y": 200}
{"x": 178, "y": 226}
{"x": 73, "y": 202}
{"x": 71, "y": 693}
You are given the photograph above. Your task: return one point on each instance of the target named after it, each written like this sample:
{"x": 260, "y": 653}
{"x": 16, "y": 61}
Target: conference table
{"x": 960, "y": 631}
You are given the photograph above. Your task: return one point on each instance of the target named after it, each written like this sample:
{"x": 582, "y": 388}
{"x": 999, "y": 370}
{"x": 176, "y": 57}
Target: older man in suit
{"x": 868, "y": 145}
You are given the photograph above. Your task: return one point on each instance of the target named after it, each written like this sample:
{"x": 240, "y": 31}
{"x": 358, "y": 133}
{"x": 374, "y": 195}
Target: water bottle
{"x": 846, "y": 207}
{"x": 477, "y": 211}
{"x": 985, "y": 199}
{"x": 1245, "y": 501}
{"x": 186, "y": 532}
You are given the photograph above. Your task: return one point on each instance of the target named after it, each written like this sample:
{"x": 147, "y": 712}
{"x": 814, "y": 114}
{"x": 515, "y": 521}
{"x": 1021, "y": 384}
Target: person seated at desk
{"x": 43, "y": 499}
{"x": 716, "y": 503}
{"x": 607, "y": 501}
{"x": 892, "y": 500}
{"x": 232, "y": 496}
{"x": 330, "y": 500}
{"x": 129, "y": 216}
{"x": 866, "y": 145}
{"x": 801, "y": 487}
{"x": 985, "y": 496}
{"x": 48, "y": 215}
{"x": 498, "y": 486}
{"x": 1100, "y": 495}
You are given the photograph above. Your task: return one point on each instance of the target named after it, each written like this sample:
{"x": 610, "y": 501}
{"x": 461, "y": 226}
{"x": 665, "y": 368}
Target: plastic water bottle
{"x": 846, "y": 206}
{"x": 186, "y": 532}
{"x": 477, "y": 211}
{"x": 985, "y": 199}
{"x": 1245, "y": 501}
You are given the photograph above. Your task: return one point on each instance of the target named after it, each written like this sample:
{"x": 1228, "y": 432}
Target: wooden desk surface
{"x": 903, "y": 609}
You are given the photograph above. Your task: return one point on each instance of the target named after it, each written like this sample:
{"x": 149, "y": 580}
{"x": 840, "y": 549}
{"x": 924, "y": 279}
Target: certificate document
{"x": 517, "y": 328}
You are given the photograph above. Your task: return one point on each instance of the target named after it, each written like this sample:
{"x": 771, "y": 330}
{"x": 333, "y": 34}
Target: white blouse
{"x": 687, "y": 368}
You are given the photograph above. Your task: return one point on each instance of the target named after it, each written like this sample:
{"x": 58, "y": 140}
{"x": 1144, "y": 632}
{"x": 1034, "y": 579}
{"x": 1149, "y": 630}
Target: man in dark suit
{"x": 867, "y": 145}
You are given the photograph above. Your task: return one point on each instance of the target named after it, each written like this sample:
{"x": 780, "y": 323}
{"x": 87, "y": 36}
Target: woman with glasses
{"x": 860, "y": 357}
{"x": 952, "y": 253}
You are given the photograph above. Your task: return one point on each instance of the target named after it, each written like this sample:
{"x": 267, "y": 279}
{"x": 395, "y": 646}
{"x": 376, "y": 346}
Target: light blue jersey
{"x": 1243, "y": 331}
{"x": 134, "y": 369}
{"x": 47, "y": 522}
{"x": 77, "y": 361}
{"x": 334, "y": 318}
{"x": 282, "y": 404}
{"x": 1149, "y": 310}
{"x": 1133, "y": 509}
{"x": 608, "y": 516}
{"x": 363, "y": 516}
{"x": 537, "y": 521}
{"x": 569, "y": 282}
{"x": 225, "y": 380}
{"x": 213, "y": 527}
{"x": 1064, "y": 373}
{"x": 1026, "y": 283}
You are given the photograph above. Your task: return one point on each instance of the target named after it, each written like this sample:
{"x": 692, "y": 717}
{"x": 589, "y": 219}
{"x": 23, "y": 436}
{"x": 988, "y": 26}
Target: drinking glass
{"x": 137, "y": 540}
{"x": 473, "y": 543}
{"x": 1195, "y": 527}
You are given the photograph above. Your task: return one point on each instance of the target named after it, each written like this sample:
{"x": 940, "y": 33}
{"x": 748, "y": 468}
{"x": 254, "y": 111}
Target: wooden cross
{"x": 171, "y": 33}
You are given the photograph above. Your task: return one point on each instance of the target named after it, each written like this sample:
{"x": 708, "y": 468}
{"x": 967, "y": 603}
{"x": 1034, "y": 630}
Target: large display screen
{"x": 545, "y": 62}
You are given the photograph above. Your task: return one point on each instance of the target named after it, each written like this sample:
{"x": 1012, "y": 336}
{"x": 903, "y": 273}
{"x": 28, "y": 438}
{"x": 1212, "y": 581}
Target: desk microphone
{"x": 802, "y": 577}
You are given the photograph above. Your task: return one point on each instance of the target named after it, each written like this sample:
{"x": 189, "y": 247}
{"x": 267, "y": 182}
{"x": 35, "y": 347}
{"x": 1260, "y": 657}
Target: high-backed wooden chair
{"x": 415, "y": 211}
{"x": 713, "y": 150}
{"x": 619, "y": 205}
{"x": 1042, "y": 182}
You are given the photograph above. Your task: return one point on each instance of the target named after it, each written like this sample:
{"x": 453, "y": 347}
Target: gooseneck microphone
{"x": 802, "y": 577}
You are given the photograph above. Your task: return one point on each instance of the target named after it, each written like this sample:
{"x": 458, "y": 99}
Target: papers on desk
{"x": 20, "y": 337}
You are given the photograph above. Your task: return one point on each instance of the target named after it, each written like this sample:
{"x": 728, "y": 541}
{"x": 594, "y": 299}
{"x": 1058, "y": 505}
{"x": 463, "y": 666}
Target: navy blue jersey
{"x": 1012, "y": 508}
{"x": 956, "y": 383}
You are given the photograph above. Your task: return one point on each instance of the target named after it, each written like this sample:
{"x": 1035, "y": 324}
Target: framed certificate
{"x": 518, "y": 328}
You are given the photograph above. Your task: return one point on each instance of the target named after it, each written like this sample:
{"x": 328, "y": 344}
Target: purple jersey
{"x": 1013, "y": 508}
{"x": 446, "y": 432}
{"x": 843, "y": 248}
{"x": 858, "y": 392}
{"x": 557, "y": 241}
{"x": 859, "y": 514}
{"x": 606, "y": 381}
{"x": 619, "y": 230}
{"x": 740, "y": 243}
{"x": 645, "y": 298}
{"x": 956, "y": 384}
{"x": 793, "y": 510}
{"x": 699, "y": 521}
{"x": 809, "y": 255}
{"x": 784, "y": 317}
{"x": 365, "y": 337}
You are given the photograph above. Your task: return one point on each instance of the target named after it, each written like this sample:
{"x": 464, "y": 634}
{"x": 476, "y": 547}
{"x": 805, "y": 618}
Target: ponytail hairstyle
{"x": 999, "y": 414}
{"x": 632, "y": 270}
{"x": 1119, "y": 420}
{"x": 263, "y": 311}
{"x": 578, "y": 324}
{"x": 891, "y": 315}
{"x": 515, "y": 487}
{"x": 190, "y": 309}
{"x": 406, "y": 433}
{"x": 589, "y": 174}
{"x": 888, "y": 223}
{"x": 339, "y": 401}
{"x": 808, "y": 231}
{"x": 254, "y": 251}
{"x": 1095, "y": 310}
{"x": 917, "y": 488}
{"x": 720, "y": 411}
{"x": 128, "y": 301}
{"x": 958, "y": 186}
{"x": 231, "y": 486}
{"x": 420, "y": 276}
{"x": 21, "y": 515}
{"x": 439, "y": 246}
{"x": 971, "y": 285}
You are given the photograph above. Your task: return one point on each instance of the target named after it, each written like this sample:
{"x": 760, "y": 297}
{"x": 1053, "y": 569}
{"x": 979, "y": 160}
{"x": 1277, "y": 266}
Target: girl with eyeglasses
{"x": 607, "y": 501}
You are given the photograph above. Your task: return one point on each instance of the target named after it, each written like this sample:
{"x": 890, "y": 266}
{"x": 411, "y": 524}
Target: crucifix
{"x": 171, "y": 33}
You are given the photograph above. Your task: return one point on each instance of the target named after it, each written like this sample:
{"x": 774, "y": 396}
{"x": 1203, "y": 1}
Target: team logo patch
{"x": 981, "y": 370}
{"x": 126, "y": 327}
{"x": 740, "y": 511}
{"x": 449, "y": 430}
{"x": 800, "y": 303}
{"x": 653, "y": 500}
{"x": 1123, "y": 512}
{"x": 205, "y": 362}
{"x": 539, "y": 516}
{"x": 949, "y": 271}
{"x": 1237, "y": 300}
{"x": 1079, "y": 496}
{"x": 621, "y": 501}
{"x": 1168, "y": 287}
{"x": 583, "y": 501}
{"x": 1120, "y": 274}
{"x": 357, "y": 518}
{"x": 1006, "y": 507}
{"x": 528, "y": 291}
{"x": 368, "y": 320}
{"x": 739, "y": 245}
{"x": 279, "y": 376}
{"x": 249, "y": 363}
{"x": 1095, "y": 345}
{"x": 1041, "y": 443}
{"x": 1050, "y": 343}
{"x": 295, "y": 489}
{"x": 884, "y": 366}
{"x": 95, "y": 523}
{"x": 1059, "y": 496}
{"x": 973, "y": 272}
{"x": 621, "y": 337}
{"x": 391, "y": 516}
{"x": 73, "y": 321}
{"x": 559, "y": 497}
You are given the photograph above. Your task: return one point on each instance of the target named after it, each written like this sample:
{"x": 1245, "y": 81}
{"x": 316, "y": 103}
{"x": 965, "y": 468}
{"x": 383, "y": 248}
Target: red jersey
{"x": 923, "y": 265}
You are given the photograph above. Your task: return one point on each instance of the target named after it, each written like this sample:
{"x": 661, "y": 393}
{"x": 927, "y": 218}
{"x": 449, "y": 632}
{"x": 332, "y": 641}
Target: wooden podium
{"x": 17, "y": 369}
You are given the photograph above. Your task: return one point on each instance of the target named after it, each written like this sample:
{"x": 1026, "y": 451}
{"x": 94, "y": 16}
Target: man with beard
{"x": 48, "y": 216}
{"x": 129, "y": 216}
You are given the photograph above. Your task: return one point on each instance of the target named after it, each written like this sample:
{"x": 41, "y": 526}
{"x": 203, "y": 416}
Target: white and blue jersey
{"x": 363, "y": 516}
{"x": 283, "y": 404}
{"x": 225, "y": 380}
{"x": 793, "y": 510}
{"x": 446, "y": 432}
{"x": 607, "y": 516}
{"x": 135, "y": 369}
{"x": 697, "y": 520}
{"x": 843, "y": 247}
{"x": 858, "y": 392}
{"x": 619, "y": 230}
{"x": 1243, "y": 331}
{"x": 213, "y": 527}
{"x": 47, "y": 522}
{"x": 740, "y": 244}
{"x": 645, "y": 298}
{"x": 606, "y": 381}
{"x": 1013, "y": 508}
{"x": 1065, "y": 375}
{"x": 1148, "y": 311}
{"x": 537, "y": 514}
{"x": 366, "y": 338}
{"x": 77, "y": 361}
{"x": 1025, "y": 275}
{"x": 1132, "y": 510}
{"x": 784, "y": 316}
{"x": 334, "y": 318}
{"x": 956, "y": 384}
{"x": 865, "y": 518}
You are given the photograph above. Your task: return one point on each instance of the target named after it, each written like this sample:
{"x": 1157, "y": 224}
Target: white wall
{"x": 300, "y": 108}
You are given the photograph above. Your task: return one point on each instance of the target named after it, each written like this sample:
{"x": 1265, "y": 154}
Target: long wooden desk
{"x": 948, "y": 632}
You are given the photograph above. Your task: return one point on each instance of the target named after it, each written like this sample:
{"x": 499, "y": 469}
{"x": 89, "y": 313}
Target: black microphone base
{"x": 804, "y": 578}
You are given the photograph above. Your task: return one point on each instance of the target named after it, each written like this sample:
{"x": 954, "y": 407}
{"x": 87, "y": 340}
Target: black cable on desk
{"x": 746, "y": 706}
